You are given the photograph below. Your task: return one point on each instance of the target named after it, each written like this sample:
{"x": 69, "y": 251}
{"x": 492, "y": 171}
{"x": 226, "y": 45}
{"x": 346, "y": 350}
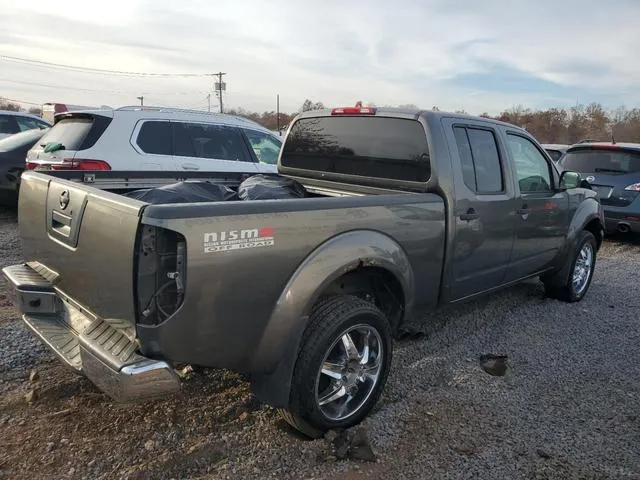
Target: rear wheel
{"x": 342, "y": 366}
{"x": 583, "y": 264}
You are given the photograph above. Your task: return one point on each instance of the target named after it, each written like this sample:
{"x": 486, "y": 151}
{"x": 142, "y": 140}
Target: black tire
{"x": 328, "y": 320}
{"x": 565, "y": 290}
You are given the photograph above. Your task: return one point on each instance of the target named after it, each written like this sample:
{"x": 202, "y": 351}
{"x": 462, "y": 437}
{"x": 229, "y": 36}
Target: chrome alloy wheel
{"x": 349, "y": 372}
{"x": 582, "y": 268}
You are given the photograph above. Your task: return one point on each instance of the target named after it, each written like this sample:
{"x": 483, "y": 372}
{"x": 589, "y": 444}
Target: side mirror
{"x": 570, "y": 180}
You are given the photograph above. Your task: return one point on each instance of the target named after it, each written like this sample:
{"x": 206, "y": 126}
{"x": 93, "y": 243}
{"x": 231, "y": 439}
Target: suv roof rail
{"x": 131, "y": 108}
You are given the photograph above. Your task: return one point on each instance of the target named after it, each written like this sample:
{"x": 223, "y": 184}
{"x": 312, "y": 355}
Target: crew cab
{"x": 404, "y": 211}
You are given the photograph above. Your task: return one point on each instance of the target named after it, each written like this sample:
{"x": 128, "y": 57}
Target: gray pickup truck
{"x": 405, "y": 210}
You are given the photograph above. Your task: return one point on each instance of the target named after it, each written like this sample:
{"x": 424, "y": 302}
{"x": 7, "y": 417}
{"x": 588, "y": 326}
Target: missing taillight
{"x": 161, "y": 274}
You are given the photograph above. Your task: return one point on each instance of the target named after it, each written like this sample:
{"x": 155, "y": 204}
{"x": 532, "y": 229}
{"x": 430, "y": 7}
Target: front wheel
{"x": 583, "y": 264}
{"x": 342, "y": 366}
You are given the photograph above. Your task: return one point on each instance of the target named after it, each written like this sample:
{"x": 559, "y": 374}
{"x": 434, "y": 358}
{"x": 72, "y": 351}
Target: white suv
{"x": 153, "y": 138}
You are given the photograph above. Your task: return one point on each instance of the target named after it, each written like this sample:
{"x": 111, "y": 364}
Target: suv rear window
{"x": 602, "y": 160}
{"x": 379, "y": 147}
{"x": 77, "y": 132}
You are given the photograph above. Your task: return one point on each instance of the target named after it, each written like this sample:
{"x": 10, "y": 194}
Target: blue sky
{"x": 476, "y": 56}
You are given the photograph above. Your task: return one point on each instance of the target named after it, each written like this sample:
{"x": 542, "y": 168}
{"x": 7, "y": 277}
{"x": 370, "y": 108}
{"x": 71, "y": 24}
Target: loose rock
{"x": 543, "y": 453}
{"x": 31, "y": 396}
{"x": 495, "y": 365}
{"x": 360, "y": 448}
{"x": 341, "y": 446}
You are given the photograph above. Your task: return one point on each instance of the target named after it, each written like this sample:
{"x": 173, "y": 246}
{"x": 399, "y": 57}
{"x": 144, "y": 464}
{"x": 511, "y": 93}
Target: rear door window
{"x": 8, "y": 124}
{"x": 203, "y": 140}
{"x": 480, "y": 160}
{"x": 379, "y": 147}
{"x": 26, "y": 123}
{"x": 609, "y": 161}
{"x": 155, "y": 138}
{"x": 70, "y": 132}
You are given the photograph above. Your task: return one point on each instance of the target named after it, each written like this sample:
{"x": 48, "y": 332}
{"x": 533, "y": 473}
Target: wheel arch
{"x": 339, "y": 266}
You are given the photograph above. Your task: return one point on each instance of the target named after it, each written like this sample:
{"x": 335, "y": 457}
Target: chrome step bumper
{"x": 104, "y": 350}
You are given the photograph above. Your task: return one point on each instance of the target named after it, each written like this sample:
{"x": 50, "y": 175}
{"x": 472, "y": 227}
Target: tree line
{"x": 552, "y": 125}
{"x": 10, "y": 106}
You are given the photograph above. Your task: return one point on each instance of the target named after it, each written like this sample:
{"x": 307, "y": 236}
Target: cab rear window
{"x": 378, "y": 147}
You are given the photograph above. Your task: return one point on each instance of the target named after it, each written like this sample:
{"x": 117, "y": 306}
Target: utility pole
{"x": 278, "y": 112}
{"x": 209, "y": 102}
{"x": 141, "y": 100}
{"x": 220, "y": 87}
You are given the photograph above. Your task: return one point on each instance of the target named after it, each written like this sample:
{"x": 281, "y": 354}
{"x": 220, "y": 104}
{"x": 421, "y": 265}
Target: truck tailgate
{"x": 85, "y": 237}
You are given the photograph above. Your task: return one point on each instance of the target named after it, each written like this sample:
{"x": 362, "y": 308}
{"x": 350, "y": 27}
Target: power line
{"x": 123, "y": 92}
{"x": 99, "y": 71}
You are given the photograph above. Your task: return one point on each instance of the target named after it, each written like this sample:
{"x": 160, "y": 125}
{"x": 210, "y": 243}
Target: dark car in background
{"x": 613, "y": 170}
{"x": 16, "y": 122}
{"x": 13, "y": 152}
{"x": 555, "y": 150}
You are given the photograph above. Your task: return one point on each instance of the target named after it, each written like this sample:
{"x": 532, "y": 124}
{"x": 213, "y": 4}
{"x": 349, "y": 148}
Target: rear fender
{"x": 339, "y": 255}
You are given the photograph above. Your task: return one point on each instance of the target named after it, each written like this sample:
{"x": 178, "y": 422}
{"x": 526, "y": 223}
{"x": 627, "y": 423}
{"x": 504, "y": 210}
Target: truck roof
{"x": 588, "y": 145}
{"x": 411, "y": 113}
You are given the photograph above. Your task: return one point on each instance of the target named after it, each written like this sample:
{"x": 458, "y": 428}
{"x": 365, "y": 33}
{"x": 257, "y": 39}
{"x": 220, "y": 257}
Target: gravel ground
{"x": 567, "y": 408}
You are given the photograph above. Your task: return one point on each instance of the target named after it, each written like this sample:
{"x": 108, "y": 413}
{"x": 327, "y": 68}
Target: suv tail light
{"x": 354, "y": 111}
{"x": 73, "y": 164}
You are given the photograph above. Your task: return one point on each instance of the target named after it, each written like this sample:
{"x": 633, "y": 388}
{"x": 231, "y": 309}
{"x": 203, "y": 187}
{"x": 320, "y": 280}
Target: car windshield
{"x": 19, "y": 140}
{"x": 602, "y": 160}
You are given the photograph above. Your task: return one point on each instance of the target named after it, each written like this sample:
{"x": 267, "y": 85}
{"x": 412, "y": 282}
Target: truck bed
{"x": 111, "y": 255}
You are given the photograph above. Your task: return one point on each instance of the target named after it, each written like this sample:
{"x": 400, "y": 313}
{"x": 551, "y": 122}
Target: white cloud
{"x": 333, "y": 51}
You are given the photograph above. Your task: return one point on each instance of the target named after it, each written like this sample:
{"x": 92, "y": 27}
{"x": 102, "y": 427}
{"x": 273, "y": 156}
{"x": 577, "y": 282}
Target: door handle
{"x": 470, "y": 215}
{"x": 190, "y": 166}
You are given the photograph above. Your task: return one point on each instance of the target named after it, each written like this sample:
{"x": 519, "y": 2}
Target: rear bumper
{"x": 106, "y": 351}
